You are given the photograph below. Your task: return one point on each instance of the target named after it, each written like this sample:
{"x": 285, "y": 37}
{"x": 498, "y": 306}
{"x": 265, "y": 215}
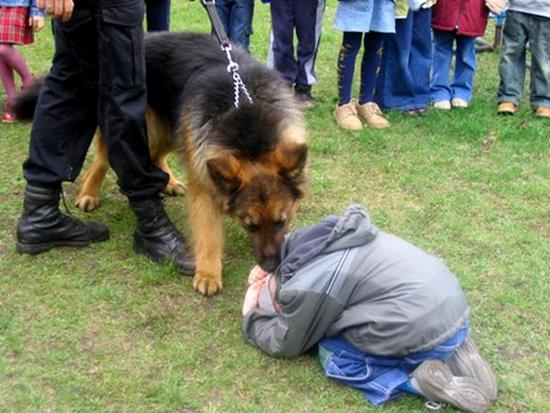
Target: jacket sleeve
{"x": 35, "y": 11}
{"x": 297, "y": 328}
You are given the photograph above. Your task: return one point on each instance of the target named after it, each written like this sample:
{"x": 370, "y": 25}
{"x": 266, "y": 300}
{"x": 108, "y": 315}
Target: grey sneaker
{"x": 466, "y": 361}
{"x": 435, "y": 381}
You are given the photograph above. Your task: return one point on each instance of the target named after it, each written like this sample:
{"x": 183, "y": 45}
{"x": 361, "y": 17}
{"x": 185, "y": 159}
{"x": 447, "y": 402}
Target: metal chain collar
{"x": 238, "y": 84}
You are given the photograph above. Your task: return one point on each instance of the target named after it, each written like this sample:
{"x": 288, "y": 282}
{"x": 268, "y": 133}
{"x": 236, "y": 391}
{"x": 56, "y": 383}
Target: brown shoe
{"x": 542, "y": 112}
{"x": 507, "y": 108}
{"x": 371, "y": 113}
{"x": 346, "y": 117}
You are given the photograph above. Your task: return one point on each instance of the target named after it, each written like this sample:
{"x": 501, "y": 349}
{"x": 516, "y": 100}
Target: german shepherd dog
{"x": 247, "y": 162}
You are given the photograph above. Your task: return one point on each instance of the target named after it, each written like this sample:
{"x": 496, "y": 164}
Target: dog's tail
{"x": 26, "y": 101}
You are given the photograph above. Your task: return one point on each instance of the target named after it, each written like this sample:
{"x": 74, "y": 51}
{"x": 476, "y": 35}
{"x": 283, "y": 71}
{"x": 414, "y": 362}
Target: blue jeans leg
{"x": 395, "y": 88}
{"x": 442, "y": 57}
{"x": 240, "y": 22}
{"x": 370, "y": 65}
{"x": 511, "y": 67}
{"x": 351, "y": 43}
{"x": 421, "y": 57}
{"x": 539, "y": 41}
{"x": 465, "y": 68}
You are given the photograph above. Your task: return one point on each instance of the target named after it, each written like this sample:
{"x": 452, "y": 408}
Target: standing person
{"x": 367, "y": 22}
{"x": 19, "y": 19}
{"x": 305, "y": 17}
{"x": 236, "y": 16}
{"x": 157, "y": 15}
{"x": 459, "y": 22}
{"x": 97, "y": 78}
{"x": 404, "y": 79}
{"x": 526, "y": 22}
{"x": 389, "y": 318}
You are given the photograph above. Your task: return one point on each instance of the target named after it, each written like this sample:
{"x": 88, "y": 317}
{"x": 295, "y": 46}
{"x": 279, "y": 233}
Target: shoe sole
{"x": 437, "y": 382}
{"x": 34, "y": 249}
{"x": 467, "y": 361}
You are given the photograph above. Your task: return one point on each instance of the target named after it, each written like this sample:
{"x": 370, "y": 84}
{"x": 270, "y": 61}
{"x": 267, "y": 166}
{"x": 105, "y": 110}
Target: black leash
{"x": 225, "y": 44}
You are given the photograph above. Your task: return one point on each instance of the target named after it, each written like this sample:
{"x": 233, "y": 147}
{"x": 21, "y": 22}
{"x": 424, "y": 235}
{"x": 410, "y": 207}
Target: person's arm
{"x": 303, "y": 321}
{"x": 59, "y": 9}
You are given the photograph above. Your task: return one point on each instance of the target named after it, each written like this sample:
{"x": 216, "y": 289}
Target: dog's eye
{"x": 253, "y": 227}
{"x": 279, "y": 224}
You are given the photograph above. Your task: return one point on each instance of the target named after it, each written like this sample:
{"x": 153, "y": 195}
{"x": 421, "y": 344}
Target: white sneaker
{"x": 442, "y": 105}
{"x": 435, "y": 381}
{"x": 459, "y": 103}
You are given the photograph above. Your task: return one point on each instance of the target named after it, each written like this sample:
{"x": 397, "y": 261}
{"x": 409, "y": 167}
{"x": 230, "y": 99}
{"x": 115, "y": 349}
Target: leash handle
{"x": 225, "y": 43}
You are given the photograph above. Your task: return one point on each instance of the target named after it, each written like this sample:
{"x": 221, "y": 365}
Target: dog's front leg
{"x": 207, "y": 227}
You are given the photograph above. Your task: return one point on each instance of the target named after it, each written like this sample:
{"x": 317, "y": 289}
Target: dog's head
{"x": 262, "y": 194}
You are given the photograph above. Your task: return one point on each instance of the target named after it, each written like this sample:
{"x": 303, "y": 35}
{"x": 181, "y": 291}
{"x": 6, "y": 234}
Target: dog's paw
{"x": 87, "y": 202}
{"x": 174, "y": 188}
{"x": 207, "y": 284}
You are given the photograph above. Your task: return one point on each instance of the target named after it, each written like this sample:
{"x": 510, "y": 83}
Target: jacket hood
{"x": 352, "y": 229}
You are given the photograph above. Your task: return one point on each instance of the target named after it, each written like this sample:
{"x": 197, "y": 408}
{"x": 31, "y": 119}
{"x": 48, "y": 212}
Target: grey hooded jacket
{"x": 344, "y": 276}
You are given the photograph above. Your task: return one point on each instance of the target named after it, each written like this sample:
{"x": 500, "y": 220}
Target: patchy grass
{"x": 101, "y": 329}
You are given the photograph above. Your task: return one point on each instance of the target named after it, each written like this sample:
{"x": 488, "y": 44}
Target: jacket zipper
{"x": 337, "y": 271}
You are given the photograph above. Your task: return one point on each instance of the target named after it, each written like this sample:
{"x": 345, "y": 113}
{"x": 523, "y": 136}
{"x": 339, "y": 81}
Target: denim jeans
{"x": 236, "y": 16}
{"x": 370, "y": 64}
{"x": 465, "y": 66}
{"x": 404, "y": 79}
{"x": 519, "y": 29}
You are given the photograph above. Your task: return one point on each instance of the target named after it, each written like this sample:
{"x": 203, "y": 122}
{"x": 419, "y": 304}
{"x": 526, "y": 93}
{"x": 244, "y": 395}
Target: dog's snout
{"x": 269, "y": 264}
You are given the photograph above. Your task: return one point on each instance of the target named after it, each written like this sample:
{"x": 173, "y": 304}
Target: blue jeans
{"x": 519, "y": 29}
{"x": 379, "y": 378}
{"x": 236, "y": 16}
{"x": 370, "y": 64}
{"x": 404, "y": 79}
{"x": 465, "y": 66}
{"x": 157, "y": 14}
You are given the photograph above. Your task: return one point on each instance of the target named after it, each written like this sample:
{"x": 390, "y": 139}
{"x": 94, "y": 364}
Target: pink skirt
{"x": 14, "y": 25}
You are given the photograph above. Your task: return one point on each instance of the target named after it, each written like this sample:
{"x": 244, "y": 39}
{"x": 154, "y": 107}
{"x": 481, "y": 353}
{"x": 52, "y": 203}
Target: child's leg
{"x": 465, "y": 68}
{"x": 351, "y": 42}
{"x": 443, "y": 54}
{"x": 240, "y": 23}
{"x": 512, "y": 58}
{"x": 539, "y": 37}
{"x": 370, "y": 65}
{"x": 16, "y": 61}
{"x": 6, "y": 75}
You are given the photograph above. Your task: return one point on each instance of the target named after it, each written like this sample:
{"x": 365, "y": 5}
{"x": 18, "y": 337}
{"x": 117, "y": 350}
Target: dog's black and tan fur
{"x": 248, "y": 163}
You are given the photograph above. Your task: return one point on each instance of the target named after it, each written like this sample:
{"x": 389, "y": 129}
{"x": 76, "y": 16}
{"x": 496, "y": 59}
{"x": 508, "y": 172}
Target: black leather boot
{"x": 157, "y": 237}
{"x": 42, "y": 226}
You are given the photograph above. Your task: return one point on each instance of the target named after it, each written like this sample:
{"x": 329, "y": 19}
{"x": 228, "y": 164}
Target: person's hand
{"x": 252, "y": 296}
{"x": 256, "y": 274}
{"x": 59, "y": 9}
{"x": 36, "y": 22}
{"x": 496, "y": 6}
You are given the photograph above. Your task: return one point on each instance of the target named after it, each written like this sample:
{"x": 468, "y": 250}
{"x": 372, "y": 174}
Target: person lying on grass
{"x": 389, "y": 318}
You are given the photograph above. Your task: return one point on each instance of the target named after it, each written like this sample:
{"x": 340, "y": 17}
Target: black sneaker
{"x": 303, "y": 95}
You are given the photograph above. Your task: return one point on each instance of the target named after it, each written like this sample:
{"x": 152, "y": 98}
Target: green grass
{"x": 101, "y": 329}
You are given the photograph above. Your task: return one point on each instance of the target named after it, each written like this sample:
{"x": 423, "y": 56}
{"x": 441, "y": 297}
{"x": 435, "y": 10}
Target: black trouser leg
{"x": 66, "y": 116}
{"x": 122, "y": 101}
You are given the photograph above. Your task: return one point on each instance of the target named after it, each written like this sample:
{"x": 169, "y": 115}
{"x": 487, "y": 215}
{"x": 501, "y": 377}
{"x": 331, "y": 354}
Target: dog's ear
{"x": 293, "y": 162}
{"x": 224, "y": 173}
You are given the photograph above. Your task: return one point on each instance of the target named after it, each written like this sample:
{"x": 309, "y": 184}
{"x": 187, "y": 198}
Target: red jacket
{"x": 468, "y": 17}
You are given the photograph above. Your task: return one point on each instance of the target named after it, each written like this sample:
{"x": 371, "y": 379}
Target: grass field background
{"x": 101, "y": 329}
